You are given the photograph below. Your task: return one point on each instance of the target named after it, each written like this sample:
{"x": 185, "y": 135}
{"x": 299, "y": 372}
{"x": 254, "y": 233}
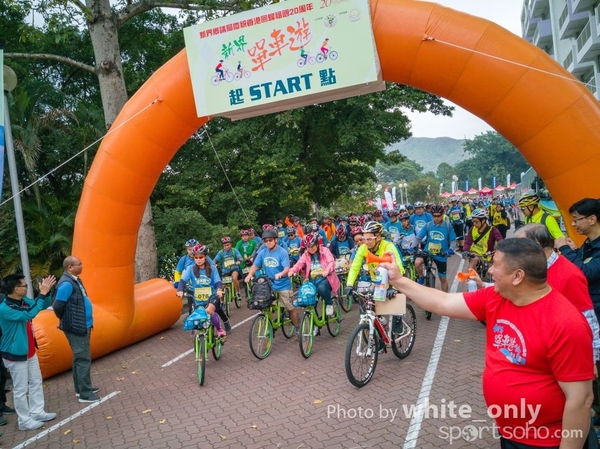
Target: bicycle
{"x": 483, "y": 264}
{"x": 205, "y": 339}
{"x": 245, "y": 271}
{"x": 301, "y": 62}
{"x": 331, "y": 54}
{"x": 227, "y": 76}
{"x": 341, "y": 269}
{"x": 430, "y": 270}
{"x": 229, "y": 295}
{"x": 241, "y": 74}
{"x": 268, "y": 320}
{"x": 373, "y": 335}
{"x": 312, "y": 318}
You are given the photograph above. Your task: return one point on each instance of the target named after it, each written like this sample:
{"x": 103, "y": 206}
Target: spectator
{"x": 537, "y": 351}
{"x": 74, "y": 309}
{"x": 18, "y": 348}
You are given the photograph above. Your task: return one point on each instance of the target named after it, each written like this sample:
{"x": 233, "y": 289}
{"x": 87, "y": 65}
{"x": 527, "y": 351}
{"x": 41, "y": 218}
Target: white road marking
{"x": 417, "y": 419}
{"x": 41, "y": 435}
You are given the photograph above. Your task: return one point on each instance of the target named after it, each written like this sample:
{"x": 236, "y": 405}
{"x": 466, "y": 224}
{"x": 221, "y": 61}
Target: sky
{"x": 463, "y": 124}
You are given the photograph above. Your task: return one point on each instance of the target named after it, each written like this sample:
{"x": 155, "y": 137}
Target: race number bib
{"x": 435, "y": 248}
{"x": 316, "y": 270}
{"x": 228, "y": 262}
{"x": 202, "y": 293}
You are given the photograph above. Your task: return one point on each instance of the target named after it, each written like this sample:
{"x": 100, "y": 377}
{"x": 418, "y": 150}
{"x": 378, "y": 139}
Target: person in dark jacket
{"x": 18, "y": 348}
{"x": 74, "y": 309}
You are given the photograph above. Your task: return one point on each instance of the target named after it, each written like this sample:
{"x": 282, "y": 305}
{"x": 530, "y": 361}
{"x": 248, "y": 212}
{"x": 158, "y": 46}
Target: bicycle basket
{"x": 197, "y": 320}
{"x": 307, "y": 295}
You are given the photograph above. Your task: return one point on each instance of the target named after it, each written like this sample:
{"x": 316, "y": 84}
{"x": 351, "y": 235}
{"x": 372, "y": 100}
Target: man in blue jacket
{"x": 18, "y": 348}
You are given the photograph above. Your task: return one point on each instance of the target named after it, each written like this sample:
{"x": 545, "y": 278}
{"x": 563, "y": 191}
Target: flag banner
{"x": 282, "y": 56}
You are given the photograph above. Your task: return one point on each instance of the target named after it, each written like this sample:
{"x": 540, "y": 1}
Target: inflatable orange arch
{"x": 535, "y": 104}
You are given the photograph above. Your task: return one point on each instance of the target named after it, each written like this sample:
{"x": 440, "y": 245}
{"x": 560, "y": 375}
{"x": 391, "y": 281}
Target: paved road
{"x": 282, "y": 402}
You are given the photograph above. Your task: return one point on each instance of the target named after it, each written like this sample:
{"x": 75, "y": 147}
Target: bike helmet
{"x": 479, "y": 213}
{"x": 225, "y": 240}
{"x": 356, "y": 230}
{"x": 343, "y": 218}
{"x": 411, "y": 207}
{"x": 267, "y": 226}
{"x": 291, "y": 230}
{"x": 372, "y": 227}
{"x": 529, "y": 199}
{"x": 404, "y": 216}
{"x": 377, "y": 213}
{"x": 192, "y": 242}
{"x": 437, "y": 209}
{"x": 465, "y": 201}
{"x": 341, "y": 232}
{"x": 310, "y": 240}
{"x": 244, "y": 232}
{"x": 419, "y": 204}
{"x": 200, "y": 249}
{"x": 269, "y": 234}
{"x": 453, "y": 199}
{"x": 314, "y": 227}
{"x": 394, "y": 213}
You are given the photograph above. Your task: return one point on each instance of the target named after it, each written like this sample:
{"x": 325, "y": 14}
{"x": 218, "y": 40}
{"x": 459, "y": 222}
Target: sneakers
{"x": 3, "y": 421}
{"x": 6, "y": 410}
{"x": 31, "y": 425}
{"x": 94, "y": 390}
{"x": 221, "y": 333}
{"x": 239, "y": 296}
{"x": 43, "y": 417}
{"x": 329, "y": 310}
{"x": 91, "y": 398}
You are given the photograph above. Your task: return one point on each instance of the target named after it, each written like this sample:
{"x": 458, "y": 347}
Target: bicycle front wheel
{"x": 287, "y": 327}
{"x": 227, "y": 300}
{"x": 306, "y": 335}
{"x": 361, "y": 356}
{"x": 403, "y": 342}
{"x": 201, "y": 357}
{"x": 345, "y": 300}
{"x": 217, "y": 345}
{"x": 261, "y": 336}
{"x": 334, "y": 323}
{"x": 238, "y": 300}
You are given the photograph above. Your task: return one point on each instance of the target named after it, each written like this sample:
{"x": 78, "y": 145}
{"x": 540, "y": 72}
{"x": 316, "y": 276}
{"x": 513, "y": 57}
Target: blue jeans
{"x": 323, "y": 289}
{"x": 82, "y": 363}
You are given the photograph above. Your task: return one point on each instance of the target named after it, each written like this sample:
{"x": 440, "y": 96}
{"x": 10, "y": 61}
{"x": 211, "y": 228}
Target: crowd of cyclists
{"x": 315, "y": 249}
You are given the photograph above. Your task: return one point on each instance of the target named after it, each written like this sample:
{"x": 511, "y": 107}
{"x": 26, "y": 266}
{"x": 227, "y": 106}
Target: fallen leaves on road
{"x": 223, "y": 437}
{"x": 318, "y": 401}
{"x": 109, "y": 417}
{"x": 162, "y": 421}
{"x": 66, "y": 432}
{"x": 254, "y": 426}
{"x": 147, "y": 411}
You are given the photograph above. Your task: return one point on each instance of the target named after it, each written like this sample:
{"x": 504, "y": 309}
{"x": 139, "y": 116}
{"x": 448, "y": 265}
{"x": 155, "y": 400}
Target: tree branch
{"x": 49, "y": 57}
{"x": 87, "y": 13}
{"x": 132, "y": 9}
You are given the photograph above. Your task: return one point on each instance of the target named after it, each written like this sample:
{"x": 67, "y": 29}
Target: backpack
{"x": 262, "y": 295}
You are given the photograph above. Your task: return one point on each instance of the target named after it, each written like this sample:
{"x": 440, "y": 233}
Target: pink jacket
{"x": 327, "y": 262}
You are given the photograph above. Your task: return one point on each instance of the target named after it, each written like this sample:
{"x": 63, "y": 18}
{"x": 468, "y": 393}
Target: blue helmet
{"x": 192, "y": 242}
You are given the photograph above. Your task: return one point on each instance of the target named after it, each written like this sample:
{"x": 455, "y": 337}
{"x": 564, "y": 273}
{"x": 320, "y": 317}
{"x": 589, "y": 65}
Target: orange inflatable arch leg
{"x": 552, "y": 120}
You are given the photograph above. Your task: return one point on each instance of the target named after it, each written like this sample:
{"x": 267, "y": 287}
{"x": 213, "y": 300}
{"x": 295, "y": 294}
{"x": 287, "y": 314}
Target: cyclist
{"x": 467, "y": 207}
{"x": 318, "y": 266}
{"x": 482, "y": 237}
{"x": 314, "y": 226}
{"x": 407, "y": 239}
{"x": 420, "y": 218}
{"x": 293, "y": 243}
{"x": 185, "y": 261}
{"x": 375, "y": 244}
{"x": 500, "y": 219}
{"x": 276, "y": 263}
{"x": 303, "y": 53}
{"x": 393, "y": 226}
{"x": 219, "y": 69}
{"x": 294, "y": 221}
{"x": 246, "y": 246}
{"x": 357, "y": 235}
{"x": 230, "y": 259}
{"x": 529, "y": 204}
{"x": 457, "y": 217}
{"x": 341, "y": 245}
{"x": 379, "y": 217}
{"x": 324, "y": 48}
{"x": 440, "y": 236}
{"x": 410, "y": 209}
{"x": 328, "y": 227}
{"x": 207, "y": 286}
{"x": 240, "y": 69}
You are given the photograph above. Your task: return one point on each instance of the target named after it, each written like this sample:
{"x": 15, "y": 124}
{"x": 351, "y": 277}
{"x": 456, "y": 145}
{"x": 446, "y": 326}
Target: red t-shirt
{"x": 529, "y": 349}
{"x": 569, "y": 280}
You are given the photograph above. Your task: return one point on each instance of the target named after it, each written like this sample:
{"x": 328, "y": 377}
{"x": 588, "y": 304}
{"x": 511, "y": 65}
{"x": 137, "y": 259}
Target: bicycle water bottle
{"x": 381, "y": 283}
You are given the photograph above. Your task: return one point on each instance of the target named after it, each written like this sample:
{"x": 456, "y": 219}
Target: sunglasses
{"x": 199, "y": 257}
{"x": 436, "y": 215}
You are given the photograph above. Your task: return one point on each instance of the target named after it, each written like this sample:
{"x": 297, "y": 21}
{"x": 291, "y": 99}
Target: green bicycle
{"x": 229, "y": 295}
{"x": 205, "y": 339}
{"x": 313, "y": 317}
{"x": 265, "y": 324}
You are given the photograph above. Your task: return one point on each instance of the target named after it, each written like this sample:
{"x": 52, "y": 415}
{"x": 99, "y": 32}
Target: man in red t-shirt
{"x": 537, "y": 355}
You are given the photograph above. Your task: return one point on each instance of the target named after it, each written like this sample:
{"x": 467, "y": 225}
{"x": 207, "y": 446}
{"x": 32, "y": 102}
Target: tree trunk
{"x": 104, "y": 34}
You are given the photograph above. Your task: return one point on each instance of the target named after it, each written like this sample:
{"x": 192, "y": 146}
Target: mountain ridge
{"x": 430, "y": 152}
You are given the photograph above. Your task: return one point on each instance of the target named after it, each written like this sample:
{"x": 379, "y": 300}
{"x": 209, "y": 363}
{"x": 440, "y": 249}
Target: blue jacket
{"x": 14, "y": 316}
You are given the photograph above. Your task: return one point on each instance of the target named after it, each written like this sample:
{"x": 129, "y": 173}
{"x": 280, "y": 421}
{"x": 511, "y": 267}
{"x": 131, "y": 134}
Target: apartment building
{"x": 569, "y": 31}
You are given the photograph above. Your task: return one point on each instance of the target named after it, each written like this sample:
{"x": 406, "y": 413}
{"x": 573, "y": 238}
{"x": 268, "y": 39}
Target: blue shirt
{"x": 419, "y": 221}
{"x": 228, "y": 260}
{"x": 438, "y": 238}
{"x": 202, "y": 281}
{"x": 394, "y": 229}
{"x": 274, "y": 262}
{"x": 293, "y": 247}
{"x": 64, "y": 292}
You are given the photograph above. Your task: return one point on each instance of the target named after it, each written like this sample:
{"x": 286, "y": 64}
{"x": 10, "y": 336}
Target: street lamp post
{"x": 405, "y": 185}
